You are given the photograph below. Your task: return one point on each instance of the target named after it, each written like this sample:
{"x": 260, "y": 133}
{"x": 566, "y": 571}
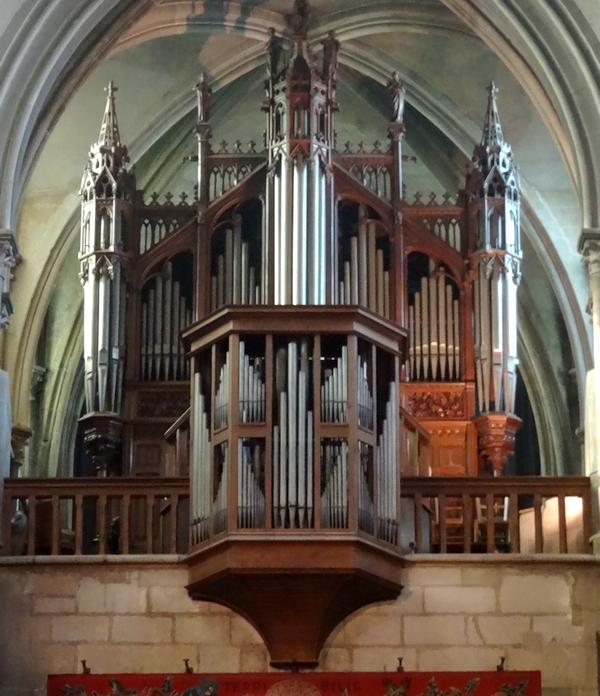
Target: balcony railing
{"x": 87, "y": 516}
{"x": 79, "y": 516}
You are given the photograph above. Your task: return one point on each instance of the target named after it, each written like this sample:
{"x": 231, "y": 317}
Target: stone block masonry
{"x": 463, "y": 613}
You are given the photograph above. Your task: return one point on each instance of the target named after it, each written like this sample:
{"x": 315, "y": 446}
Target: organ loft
{"x": 296, "y": 340}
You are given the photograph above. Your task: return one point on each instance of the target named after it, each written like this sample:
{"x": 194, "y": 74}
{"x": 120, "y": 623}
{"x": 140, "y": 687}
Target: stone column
{"x": 589, "y": 247}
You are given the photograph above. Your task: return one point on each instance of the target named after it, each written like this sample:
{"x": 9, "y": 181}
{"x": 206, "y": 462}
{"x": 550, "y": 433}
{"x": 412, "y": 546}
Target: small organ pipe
{"x": 434, "y": 348}
{"x": 372, "y": 266}
{"x": 354, "y": 270}
{"x": 362, "y": 259}
{"x": 442, "y": 323}
{"x": 386, "y": 294}
{"x": 380, "y": 309}
{"x": 387, "y": 474}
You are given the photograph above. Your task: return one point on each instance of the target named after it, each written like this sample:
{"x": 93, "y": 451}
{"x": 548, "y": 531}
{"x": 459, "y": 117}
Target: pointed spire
{"x": 108, "y": 153}
{"x": 492, "y": 130}
{"x": 109, "y": 131}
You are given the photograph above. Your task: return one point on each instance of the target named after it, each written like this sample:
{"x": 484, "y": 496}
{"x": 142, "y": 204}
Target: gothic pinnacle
{"x": 109, "y": 131}
{"x": 492, "y": 130}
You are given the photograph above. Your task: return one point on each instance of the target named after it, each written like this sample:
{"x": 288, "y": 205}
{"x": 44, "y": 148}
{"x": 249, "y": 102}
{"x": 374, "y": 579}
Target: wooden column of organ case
{"x": 332, "y": 336}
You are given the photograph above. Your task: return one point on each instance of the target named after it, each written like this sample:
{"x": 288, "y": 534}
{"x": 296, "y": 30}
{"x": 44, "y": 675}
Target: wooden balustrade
{"x": 95, "y": 516}
{"x": 526, "y": 514}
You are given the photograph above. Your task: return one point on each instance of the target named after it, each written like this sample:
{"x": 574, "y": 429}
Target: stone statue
{"x": 300, "y": 17}
{"x": 331, "y": 47}
{"x": 397, "y": 91}
{"x": 204, "y": 93}
{"x": 274, "y": 49}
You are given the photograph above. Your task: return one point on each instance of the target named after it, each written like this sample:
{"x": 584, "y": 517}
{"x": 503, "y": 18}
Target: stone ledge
{"x": 500, "y": 559}
{"x": 410, "y": 561}
{"x": 129, "y": 559}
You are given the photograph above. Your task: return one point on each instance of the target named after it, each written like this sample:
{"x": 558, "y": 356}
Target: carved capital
{"x": 19, "y": 440}
{"x": 589, "y": 247}
{"x": 9, "y": 257}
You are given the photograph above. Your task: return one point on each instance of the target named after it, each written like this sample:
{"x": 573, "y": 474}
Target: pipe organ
{"x": 324, "y": 337}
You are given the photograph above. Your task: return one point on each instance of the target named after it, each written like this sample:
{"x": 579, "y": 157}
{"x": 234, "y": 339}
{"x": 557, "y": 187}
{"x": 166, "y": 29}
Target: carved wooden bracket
{"x": 496, "y": 437}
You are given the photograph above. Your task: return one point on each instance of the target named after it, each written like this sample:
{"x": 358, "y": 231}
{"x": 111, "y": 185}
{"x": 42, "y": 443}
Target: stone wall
{"x": 456, "y": 614}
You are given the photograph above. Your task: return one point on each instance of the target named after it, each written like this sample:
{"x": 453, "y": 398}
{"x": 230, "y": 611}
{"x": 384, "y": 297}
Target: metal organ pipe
{"x": 222, "y": 396}
{"x": 434, "y": 330}
{"x": 334, "y": 391}
{"x": 251, "y": 497}
{"x": 365, "y": 281}
{"x": 293, "y": 494}
{"x": 334, "y": 498}
{"x": 495, "y": 333}
{"x": 236, "y": 281}
{"x": 165, "y": 313}
{"x": 387, "y": 472}
{"x": 200, "y": 465}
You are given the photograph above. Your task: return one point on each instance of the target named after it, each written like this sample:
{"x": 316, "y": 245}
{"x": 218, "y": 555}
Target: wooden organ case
{"x": 332, "y": 337}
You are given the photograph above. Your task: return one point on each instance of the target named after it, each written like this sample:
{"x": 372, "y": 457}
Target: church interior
{"x": 299, "y": 322}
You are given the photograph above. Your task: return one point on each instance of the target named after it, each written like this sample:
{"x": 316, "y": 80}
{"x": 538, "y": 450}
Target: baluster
{"x": 467, "y": 503}
{"x": 491, "y": 536}
{"x": 78, "y": 524}
{"x": 174, "y": 511}
{"x": 32, "y": 502}
{"x": 539, "y": 533}
{"x": 562, "y": 525}
{"x": 55, "y": 525}
{"x": 101, "y": 515}
{"x": 587, "y": 516}
{"x": 125, "y": 509}
{"x": 443, "y": 523}
{"x": 418, "y": 526}
{"x": 513, "y": 523}
{"x": 149, "y": 523}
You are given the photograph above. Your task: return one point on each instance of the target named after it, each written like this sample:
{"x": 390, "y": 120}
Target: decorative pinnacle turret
{"x": 109, "y": 131}
{"x": 492, "y": 130}
{"x": 108, "y": 153}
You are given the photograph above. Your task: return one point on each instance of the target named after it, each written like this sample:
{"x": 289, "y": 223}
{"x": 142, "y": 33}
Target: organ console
{"x": 317, "y": 324}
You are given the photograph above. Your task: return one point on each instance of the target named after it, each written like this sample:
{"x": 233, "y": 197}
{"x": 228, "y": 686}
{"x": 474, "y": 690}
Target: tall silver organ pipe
{"x": 200, "y": 465}
{"x": 334, "y": 483}
{"x": 334, "y": 391}
{"x": 364, "y": 280}
{"x": 165, "y": 312}
{"x": 236, "y": 281}
{"x": 495, "y": 328}
{"x": 221, "y": 475}
{"x": 293, "y": 495}
{"x": 298, "y": 199}
{"x": 366, "y": 504}
{"x": 387, "y": 471}
{"x": 222, "y": 395}
{"x": 365, "y": 400}
{"x": 251, "y": 495}
{"x": 102, "y": 256}
{"x": 251, "y": 387}
{"x": 434, "y": 330}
